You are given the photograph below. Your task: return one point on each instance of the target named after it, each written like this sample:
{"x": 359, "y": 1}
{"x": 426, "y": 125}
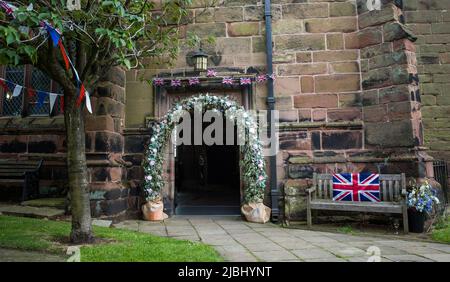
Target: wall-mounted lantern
{"x": 200, "y": 61}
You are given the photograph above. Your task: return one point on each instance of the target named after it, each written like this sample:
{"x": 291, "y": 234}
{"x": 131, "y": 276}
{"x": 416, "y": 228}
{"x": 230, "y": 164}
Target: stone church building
{"x": 356, "y": 90}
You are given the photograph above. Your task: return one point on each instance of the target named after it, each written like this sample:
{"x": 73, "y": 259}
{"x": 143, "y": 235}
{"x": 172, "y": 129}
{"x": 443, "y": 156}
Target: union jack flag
{"x": 158, "y": 81}
{"x": 356, "y": 187}
{"x": 245, "y": 81}
{"x": 227, "y": 80}
{"x": 175, "y": 83}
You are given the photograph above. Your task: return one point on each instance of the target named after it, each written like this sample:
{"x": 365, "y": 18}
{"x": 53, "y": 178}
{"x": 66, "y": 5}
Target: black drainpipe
{"x": 271, "y": 105}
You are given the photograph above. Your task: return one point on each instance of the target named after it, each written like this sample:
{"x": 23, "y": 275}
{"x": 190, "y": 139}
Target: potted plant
{"x": 153, "y": 210}
{"x": 420, "y": 202}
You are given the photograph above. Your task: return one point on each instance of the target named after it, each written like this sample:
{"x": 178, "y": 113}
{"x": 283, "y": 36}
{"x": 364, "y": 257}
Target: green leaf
{"x": 10, "y": 38}
{"x": 127, "y": 63}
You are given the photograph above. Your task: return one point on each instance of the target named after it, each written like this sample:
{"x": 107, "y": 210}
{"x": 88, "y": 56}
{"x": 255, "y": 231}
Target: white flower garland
{"x": 253, "y": 164}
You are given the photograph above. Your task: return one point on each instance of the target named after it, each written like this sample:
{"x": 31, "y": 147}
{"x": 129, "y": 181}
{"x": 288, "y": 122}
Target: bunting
{"x": 52, "y": 99}
{"x": 56, "y": 37}
{"x": 17, "y": 89}
{"x": 41, "y": 98}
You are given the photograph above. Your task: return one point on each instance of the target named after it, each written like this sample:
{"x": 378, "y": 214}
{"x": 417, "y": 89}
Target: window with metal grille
{"x": 13, "y": 106}
{"x": 25, "y": 104}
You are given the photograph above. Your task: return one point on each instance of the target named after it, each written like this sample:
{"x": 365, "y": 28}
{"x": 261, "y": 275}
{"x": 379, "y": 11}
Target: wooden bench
{"x": 25, "y": 174}
{"x": 392, "y": 192}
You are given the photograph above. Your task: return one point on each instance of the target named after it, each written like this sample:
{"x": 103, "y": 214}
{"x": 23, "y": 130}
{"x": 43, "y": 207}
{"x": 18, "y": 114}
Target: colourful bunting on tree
{"x": 54, "y": 34}
{"x": 31, "y": 92}
{"x": 17, "y": 90}
{"x": 3, "y": 85}
{"x": 56, "y": 38}
{"x": 41, "y": 98}
{"x": 64, "y": 54}
{"x": 52, "y": 100}
{"x": 81, "y": 95}
{"x": 9, "y": 9}
{"x": 41, "y": 95}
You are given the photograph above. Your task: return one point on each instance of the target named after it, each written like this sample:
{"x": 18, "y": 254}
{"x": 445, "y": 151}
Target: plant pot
{"x": 256, "y": 212}
{"x": 416, "y": 221}
{"x": 153, "y": 211}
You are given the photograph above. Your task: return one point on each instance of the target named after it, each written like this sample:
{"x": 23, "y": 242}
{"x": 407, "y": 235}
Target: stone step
{"x": 57, "y": 203}
{"x": 27, "y": 211}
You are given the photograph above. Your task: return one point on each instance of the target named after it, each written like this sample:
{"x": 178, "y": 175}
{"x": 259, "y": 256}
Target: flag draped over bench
{"x": 356, "y": 187}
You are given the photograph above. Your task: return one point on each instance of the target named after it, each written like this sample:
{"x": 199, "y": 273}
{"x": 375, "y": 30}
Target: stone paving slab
{"x": 237, "y": 240}
{"x": 36, "y": 212}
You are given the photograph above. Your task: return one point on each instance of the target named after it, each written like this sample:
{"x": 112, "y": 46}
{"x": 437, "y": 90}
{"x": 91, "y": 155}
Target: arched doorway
{"x": 160, "y": 182}
{"x": 207, "y": 177}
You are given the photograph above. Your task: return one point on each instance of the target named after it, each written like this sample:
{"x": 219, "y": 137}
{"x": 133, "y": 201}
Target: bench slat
{"x": 383, "y": 207}
{"x": 391, "y": 191}
{"x": 3, "y": 175}
{"x": 330, "y": 189}
{"x": 397, "y": 191}
{"x": 319, "y": 191}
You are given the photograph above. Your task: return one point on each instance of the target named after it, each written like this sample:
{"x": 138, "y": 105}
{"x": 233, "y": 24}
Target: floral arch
{"x": 252, "y": 162}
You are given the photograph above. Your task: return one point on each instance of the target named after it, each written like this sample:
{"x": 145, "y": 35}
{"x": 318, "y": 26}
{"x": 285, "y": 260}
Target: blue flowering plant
{"x": 422, "y": 196}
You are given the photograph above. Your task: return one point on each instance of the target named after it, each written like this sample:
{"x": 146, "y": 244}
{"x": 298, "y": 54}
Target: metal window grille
{"x": 13, "y": 106}
{"x": 441, "y": 175}
{"x": 39, "y": 81}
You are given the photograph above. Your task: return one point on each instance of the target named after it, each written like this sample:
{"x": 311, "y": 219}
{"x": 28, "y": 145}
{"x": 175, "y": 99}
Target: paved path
{"x": 237, "y": 240}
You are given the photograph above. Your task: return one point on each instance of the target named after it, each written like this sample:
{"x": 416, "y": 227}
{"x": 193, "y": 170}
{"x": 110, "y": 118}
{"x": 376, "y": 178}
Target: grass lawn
{"x": 442, "y": 231}
{"x": 115, "y": 244}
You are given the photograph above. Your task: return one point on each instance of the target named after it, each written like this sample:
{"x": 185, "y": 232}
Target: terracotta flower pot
{"x": 256, "y": 212}
{"x": 153, "y": 211}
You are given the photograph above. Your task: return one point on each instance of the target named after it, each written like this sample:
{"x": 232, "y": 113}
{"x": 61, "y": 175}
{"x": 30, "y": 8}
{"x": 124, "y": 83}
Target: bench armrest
{"x": 311, "y": 190}
{"x": 404, "y": 193}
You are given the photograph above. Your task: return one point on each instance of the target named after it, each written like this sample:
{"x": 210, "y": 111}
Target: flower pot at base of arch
{"x": 153, "y": 211}
{"x": 256, "y": 212}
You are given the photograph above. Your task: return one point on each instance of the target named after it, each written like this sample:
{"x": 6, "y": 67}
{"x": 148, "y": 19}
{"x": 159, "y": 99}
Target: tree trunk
{"x": 77, "y": 169}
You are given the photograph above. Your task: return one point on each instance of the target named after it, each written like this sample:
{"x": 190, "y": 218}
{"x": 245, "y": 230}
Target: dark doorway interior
{"x": 207, "y": 180}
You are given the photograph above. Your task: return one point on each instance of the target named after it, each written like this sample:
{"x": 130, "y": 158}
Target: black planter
{"x": 416, "y": 221}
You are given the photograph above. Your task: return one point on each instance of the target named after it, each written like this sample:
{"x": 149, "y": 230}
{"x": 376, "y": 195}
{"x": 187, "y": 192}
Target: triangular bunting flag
{"x": 52, "y": 98}
{"x": 41, "y": 98}
{"x": 64, "y": 54}
{"x": 88, "y": 102}
{"x": 54, "y": 34}
{"x": 17, "y": 90}
{"x": 81, "y": 95}
{"x": 3, "y": 85}
{"x": 31, "y": 92}
{"x": 11, "y": 85}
